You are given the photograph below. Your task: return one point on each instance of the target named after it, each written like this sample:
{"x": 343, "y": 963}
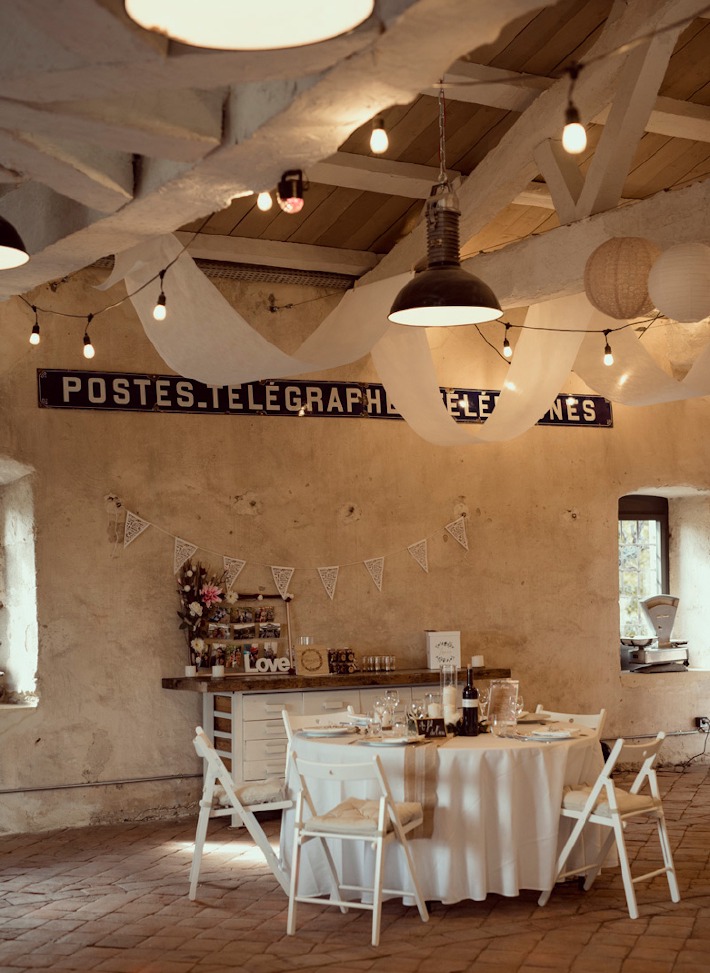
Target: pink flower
{"x": 211, "y": 594}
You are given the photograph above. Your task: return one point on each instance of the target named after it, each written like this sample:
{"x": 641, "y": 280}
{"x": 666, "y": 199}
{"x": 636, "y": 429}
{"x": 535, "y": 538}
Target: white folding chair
{"x": 294, "y": 722}
{"x": 611, "y": 807}
{"x": 594, "y": 721}
{"x": 378, "y": 822}
{"x": 242, "y": 800}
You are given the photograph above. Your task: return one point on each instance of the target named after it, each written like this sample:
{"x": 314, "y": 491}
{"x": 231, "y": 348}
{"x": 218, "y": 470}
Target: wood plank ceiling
{"x": 109, "y": 135}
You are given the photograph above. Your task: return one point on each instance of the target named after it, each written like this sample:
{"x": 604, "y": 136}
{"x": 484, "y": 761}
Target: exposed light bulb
{"x": 571, "y": 400}
{"x": 292, "y": 204}
{"x": 264, "y": 202}
{"x": 608, "y": 357}
{"x": 378, "y": 138}
{"x": 160, "y": 311}
{"x": 34, "y": 337}
{"x": 507, "y": 350}
{"x": 574, "y": 135}
{"x": 89, "y": 350}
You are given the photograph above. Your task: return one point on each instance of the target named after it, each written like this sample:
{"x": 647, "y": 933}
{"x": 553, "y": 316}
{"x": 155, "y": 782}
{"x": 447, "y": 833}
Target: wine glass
{"x": 519, "y": 707}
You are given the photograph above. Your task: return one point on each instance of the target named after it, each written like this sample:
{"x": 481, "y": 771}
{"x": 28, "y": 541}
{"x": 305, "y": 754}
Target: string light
{"x": 160, "y": 310}
{"x": 574, "y": 135}
{"x": 379, "y": 142}
{"x": 572, "y": 400}
{"x": 507, "y": 350}
{"x": 608, "y": 357}
{"x": 264, "y": 202}
{"x": 89, "y": 350}
{"x": 34, "y": 336}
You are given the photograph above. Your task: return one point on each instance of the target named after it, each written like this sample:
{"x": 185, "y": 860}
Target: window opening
{"x": 643, "y": 559}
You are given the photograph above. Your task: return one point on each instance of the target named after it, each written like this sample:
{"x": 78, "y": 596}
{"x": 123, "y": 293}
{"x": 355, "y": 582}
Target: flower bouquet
{"x": 201, "y": 597}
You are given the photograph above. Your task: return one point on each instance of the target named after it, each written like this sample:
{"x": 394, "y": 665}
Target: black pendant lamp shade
{"x": 444, "y": 294}
{"x": 13, "y": 252}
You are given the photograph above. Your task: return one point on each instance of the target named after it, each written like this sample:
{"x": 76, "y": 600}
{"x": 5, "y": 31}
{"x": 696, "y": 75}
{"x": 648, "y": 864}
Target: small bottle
{"x": 470, "y": 707}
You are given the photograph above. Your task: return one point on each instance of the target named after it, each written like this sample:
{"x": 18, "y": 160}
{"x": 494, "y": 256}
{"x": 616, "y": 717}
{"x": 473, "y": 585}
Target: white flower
{"x": 186, "y": 587}
{"x": 259, "y": 597}
{"x": 198, "y": 645}
{"x": 196, "y": 609}
{"x": 232, "y": 597}
{"x": 189, "y": 574}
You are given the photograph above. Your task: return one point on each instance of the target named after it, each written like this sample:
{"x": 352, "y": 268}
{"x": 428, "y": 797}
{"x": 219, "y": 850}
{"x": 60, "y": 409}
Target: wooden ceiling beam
{"x": 271, "y": 253}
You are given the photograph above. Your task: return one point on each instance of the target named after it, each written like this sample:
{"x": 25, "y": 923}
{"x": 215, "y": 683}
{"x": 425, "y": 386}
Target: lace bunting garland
{"x": 282, "y": 576}
{"x": 329, "y": 577}
{"x": 134, "y": 527}
{"x": 233, "y": 567}
{"x": 419, "y": 552}
{"x": 376, "y": 567}
{"x": 457, "y": 529}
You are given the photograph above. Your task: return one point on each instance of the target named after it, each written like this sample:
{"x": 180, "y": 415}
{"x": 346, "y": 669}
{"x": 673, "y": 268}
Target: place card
{"x": 431, "y": 727}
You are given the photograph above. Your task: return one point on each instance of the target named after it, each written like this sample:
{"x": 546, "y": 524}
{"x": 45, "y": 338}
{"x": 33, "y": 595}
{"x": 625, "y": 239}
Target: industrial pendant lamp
{"x": 243, "y": 25}
{"x": 13, "y": 252}
{"x": 443, "y": 294}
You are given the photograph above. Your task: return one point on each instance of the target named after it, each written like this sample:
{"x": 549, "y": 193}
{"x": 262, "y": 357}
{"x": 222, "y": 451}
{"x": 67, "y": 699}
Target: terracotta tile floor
{"x": 114, "y": 898}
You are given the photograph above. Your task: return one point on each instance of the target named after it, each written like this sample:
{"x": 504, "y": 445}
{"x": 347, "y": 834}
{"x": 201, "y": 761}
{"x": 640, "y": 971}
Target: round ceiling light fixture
{"x": 239, "y": 25}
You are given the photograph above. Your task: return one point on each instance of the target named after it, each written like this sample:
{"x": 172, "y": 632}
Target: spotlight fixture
{"x": 574, "y": 135}
{"x": 443, "y": 294}
{"x": 290, "y": 191}
{"x": 379, "y": 142}
{"x": 507, "y": 350}
{"x": 13, "y": 252}
{"x": 34, "y": 336}
{"x": 160, "y": 311}
{"x": 608, "y": 357}
{"x": 264, "y": 202}
{"x": 241, "y": 25}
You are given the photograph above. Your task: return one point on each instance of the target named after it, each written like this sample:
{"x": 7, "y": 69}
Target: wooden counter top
{"x": 277, "y": 684}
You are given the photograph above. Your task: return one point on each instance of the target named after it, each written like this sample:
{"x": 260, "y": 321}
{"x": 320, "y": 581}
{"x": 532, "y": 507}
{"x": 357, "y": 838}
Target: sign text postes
{"x": 132, "y": 392}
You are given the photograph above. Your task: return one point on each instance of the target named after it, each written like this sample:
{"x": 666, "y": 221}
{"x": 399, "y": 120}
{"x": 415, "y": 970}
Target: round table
{"x": 491, "y": 810}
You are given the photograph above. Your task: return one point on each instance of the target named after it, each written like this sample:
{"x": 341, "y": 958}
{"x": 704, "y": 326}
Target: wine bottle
{"x": 470, "y": 707}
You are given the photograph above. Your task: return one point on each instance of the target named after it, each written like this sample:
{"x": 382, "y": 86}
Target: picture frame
{"x": 312, "y": 660}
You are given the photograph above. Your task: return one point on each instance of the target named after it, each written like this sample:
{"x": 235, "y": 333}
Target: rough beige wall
{"x": 537, "y": 590}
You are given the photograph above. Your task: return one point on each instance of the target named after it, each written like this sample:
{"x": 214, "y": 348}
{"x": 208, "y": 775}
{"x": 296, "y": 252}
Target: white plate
{"x": 327, "y": 731}
{"x": 391, "y": 741}
{"x": 552, "y": 734}
{"x": 533, "y": 717}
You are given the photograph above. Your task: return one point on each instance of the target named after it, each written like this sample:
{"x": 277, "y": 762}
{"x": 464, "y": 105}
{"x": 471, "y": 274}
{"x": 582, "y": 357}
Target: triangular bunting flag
{"x": 232, "y": 569}
{"x": 282, "y": 577}
{"x": 376, "y": 567}
{"x": 134, "y": 526}
{"x": 183, "y": 552}
{"x": 457, "y": 529}
{"x": 420, "y": 554}
{"x": 329, "y": 577}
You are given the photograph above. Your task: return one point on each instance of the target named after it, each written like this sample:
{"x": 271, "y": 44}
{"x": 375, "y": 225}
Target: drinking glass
{"x": 519, "y": 707}
{"x": 383, "y": 711}
{"x": 502, "y": 702}
{"x": 392, "y": 696}
{"x": 433, "y": 705}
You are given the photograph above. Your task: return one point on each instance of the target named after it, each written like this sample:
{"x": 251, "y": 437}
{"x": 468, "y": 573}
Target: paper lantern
{"x": 616, "y": 277}
{"x": 679, "y": 282}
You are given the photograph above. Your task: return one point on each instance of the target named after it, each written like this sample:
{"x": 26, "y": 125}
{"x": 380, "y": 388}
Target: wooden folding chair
{"x": 379, "y": 822}
{"x": 242, "y": 800}
{"x": 611, "y": 807}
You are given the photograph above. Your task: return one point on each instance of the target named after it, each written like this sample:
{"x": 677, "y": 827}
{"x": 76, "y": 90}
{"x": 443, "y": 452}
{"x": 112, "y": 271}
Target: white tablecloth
{"x": 492, "y": 812}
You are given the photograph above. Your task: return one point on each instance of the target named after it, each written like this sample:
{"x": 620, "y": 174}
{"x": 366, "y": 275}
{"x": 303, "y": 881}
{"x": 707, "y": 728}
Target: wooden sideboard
{"x": 242, "y": 713}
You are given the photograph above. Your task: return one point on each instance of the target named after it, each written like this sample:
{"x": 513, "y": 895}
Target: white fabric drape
{"x": 206, "y": 339}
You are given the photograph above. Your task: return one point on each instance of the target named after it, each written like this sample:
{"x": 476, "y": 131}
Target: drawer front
{"x": 265, "y": 750}
{"x": 264, "y": 730}
{"x": 330, "y": 701}
{"x": 268, "y": 706}
{"x": 261, "y": 769}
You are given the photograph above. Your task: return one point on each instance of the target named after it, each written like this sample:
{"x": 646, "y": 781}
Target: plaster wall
{"x": 537, "y": 591}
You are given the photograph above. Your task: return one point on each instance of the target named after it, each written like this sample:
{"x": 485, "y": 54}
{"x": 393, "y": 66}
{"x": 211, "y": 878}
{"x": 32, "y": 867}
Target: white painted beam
{"x": 480, "y": 84}
{"x": 676, "y": 119}
{"x": 377, "y": 175}
{"x": 99, "y": 178}
{"x": 551, "y": 265}
{"x": 270, "y": 253}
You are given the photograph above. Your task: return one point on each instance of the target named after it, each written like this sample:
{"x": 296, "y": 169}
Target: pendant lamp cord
{"x": 443, "y": 177}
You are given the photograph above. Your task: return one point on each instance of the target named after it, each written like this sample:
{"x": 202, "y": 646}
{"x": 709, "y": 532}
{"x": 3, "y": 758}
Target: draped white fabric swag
{"x": 206, "y": 339}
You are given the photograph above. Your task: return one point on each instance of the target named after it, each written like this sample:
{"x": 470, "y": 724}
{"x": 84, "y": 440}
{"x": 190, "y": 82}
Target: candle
{"x": 477, "y": 661}
{"x": 434, "y": 710}
{"x": 448, "y": 697}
